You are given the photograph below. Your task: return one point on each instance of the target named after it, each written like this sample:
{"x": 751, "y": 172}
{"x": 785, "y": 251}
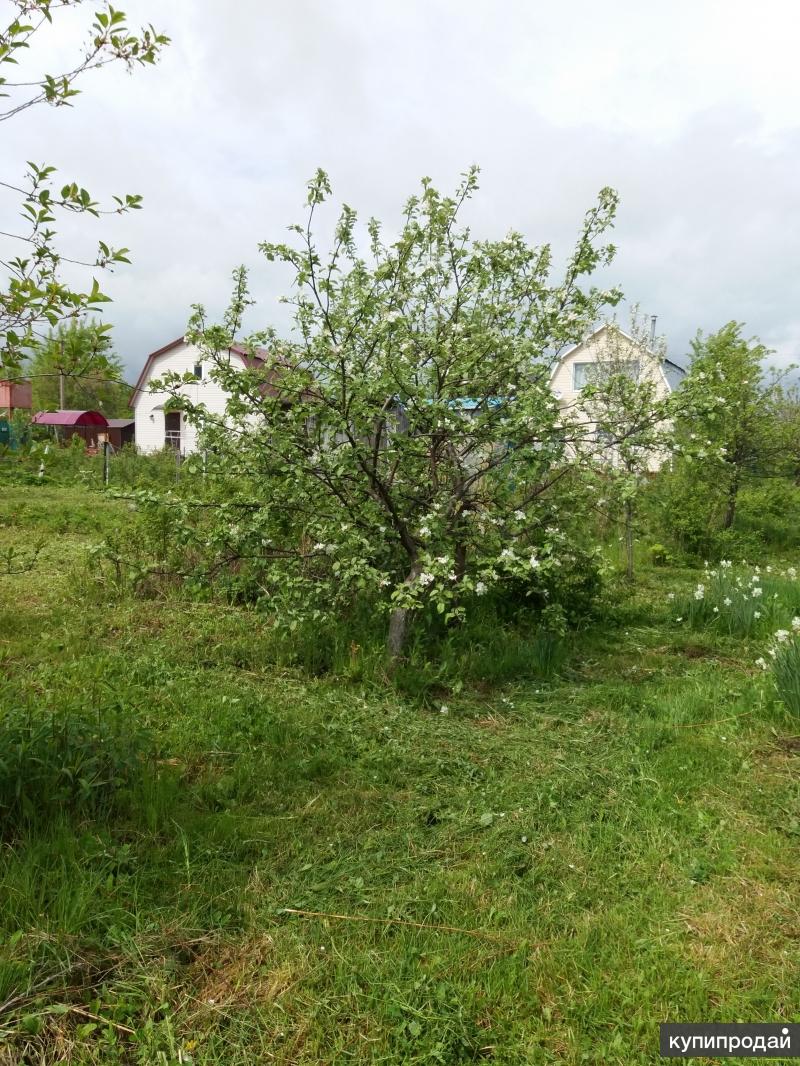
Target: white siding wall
{"x": 149, "y": 406}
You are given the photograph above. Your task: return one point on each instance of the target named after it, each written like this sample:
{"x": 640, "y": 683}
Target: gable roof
{"x": 237, "y": 349}
{"x": 672, "y": 371}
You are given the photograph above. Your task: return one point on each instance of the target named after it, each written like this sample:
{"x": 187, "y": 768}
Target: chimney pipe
{"x": 653, "y": 330}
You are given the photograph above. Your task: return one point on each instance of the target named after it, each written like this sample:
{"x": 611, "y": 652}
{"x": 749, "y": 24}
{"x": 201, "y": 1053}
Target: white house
{"x": 157, "y": 428}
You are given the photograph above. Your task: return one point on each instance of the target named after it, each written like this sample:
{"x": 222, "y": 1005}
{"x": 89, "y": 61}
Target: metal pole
{"x": 105, "y": 462}
{"x": 61, "y": 378}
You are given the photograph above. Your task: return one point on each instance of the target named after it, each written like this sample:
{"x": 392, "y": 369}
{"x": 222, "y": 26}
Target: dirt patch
{"x": 491, "y": 722}
{"x": 697, "y": 651}
{"x": 789, "y": 744}
{"x": 738, "y": 920}
{"x": 239, "y": 975}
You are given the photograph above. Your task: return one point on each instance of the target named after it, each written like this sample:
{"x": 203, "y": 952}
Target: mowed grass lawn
{"x": 540, "y": 875}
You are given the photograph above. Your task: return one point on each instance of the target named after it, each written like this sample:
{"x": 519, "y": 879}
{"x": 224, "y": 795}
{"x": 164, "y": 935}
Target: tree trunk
{"x": 398, "y": 628}
{"x": 398, "y": 623}
{"x": 629, "y": 540}
{"x": 460, "y": 558}
{"x": 730, "y": 510}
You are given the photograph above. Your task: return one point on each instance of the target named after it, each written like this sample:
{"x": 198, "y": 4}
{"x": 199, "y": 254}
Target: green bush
{"x": 76, "y": 763}
{"x": 575, "y": 587}
{"x": 770, "y": 510}
{"x": 660, "y": 556}
{"x": 688, "y": 514}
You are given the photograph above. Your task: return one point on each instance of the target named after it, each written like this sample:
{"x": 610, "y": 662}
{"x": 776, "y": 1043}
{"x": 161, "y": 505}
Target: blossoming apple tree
{"x": 405, "y": 443}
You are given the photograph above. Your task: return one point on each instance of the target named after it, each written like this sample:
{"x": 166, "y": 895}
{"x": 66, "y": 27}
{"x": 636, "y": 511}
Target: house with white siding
{"x": 158, "y": 428}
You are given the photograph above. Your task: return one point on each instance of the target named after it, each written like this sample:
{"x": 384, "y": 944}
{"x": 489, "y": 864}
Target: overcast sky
{"x": 691, "y": 110}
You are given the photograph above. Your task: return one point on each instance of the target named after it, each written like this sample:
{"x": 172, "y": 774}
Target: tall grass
{"x": 439, "y": 659}
{"x": 785, "y": 656}
{"x": 48, "y": 462}
{"x": 65, "y": 763}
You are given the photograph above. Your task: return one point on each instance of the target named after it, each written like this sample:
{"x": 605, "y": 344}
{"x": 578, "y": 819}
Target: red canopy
{"x": 70, "y": 418}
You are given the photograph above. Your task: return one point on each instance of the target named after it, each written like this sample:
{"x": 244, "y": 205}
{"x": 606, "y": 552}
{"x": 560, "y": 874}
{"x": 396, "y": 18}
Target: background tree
{"x": 405, "y": 441}
{"x": 734, "y": 431}
{"x": 788, "y": 414}
{"x": 36, "y": 295}
{"x": 630, "y": 416}
{"x": 75, "y": 367}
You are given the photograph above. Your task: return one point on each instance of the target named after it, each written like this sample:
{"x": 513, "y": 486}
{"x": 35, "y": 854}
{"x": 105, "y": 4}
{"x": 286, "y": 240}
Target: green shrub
{"x": 770, "y": 510}
{"x": 575, "y": 587}
{"x": 735, "y": 544}
{"x": 660, "y": 556}
{"x": 75, "y": 763}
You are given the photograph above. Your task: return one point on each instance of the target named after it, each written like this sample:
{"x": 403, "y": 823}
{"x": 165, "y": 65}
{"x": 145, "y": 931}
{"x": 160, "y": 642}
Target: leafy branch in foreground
{"x": 36, "y": 294}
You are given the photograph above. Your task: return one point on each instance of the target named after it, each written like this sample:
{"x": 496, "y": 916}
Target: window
{"x": 583, "y": 373}
{"x": 198, "y": 371}
{"x": 579, "y": 375}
